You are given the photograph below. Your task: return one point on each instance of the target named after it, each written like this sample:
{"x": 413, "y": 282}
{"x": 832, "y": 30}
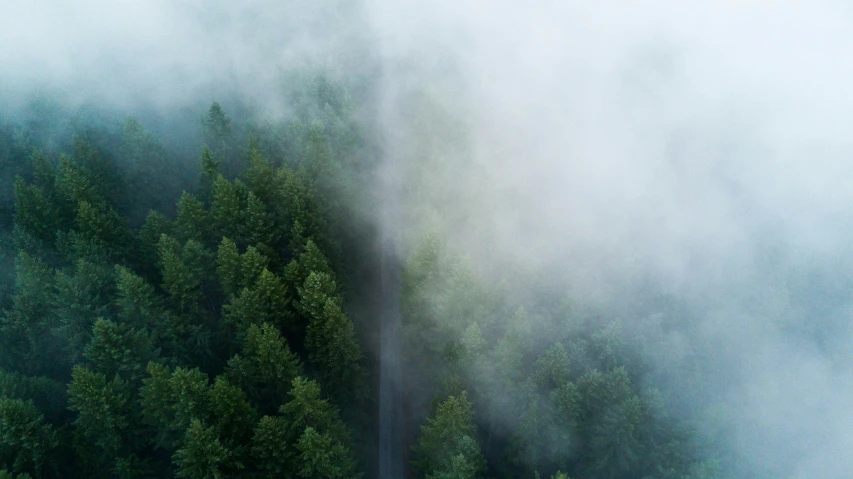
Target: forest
{"x": 210, "y": 312}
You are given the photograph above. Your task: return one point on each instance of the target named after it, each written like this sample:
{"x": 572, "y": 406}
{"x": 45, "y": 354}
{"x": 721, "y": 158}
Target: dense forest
{"x": 209, "y": 311}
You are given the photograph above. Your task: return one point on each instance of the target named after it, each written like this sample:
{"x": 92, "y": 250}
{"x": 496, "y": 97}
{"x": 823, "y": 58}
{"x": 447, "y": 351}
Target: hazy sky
{"x": 704, "y": 145}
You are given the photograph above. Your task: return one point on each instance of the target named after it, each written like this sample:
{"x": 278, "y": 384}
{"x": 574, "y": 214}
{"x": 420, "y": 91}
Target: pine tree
{"x": 209, "y": 172}
{"x": 265, "y": 302}
{"x": 104, "y": 227}
{"x": 155, "y": 226}
{"x": 261, "y": 179}
{"x": 35, "y": 213}
{"x": 231, "y": 414}
{"x": 116, "y": 350}
{"x": 320, "y": 455}
{"x": 272, "y": 453}
{"x": 227, "y": 208}
{"x": 552, "y": 370}
{"x": 229, "y": 268}
{"x": 102, "y": 425}
{"x": 136, "y": 301}
{"x": 217, "y": 129}
{"x": 81, "y": 297}
{"x": 446, "y": 436}
{"x": 330, "y": 338}
{"x": 202, "y": 456}
{"x": 27, "y": 442}
{"x": 99, "y": 171}
{"x": 258, "y": 227}
{"x": 333, "y": 347}
{"x": 266, "y": 368}
{"x": 25, "y": 329}
{"x": 74, "y": 184}
{"x": 171, "y": 400}
{"x": 252, "y": 264}
{"x": 310, "y": 260}
{"x": 193, "y": 222}
{"x": 48, "y": 395}
{"x": 312, "y": 426}
{"x": 180, "y": 279}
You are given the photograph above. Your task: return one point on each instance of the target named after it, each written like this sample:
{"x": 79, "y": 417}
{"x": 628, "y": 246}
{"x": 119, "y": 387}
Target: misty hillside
{"x": 436, "y": 240}
{"x": 204, "y": 319}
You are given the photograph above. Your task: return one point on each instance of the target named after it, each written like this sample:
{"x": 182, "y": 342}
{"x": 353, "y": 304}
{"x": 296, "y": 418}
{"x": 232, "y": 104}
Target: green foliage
{"x": 139, "y": 316}
{"x": 82, "y": 296}
{"x": 136, "y": 315}
{"x": 261, "y": 178}
{"x": 334, "y": 349}
{"x": 26, "y": 440}
{"x": 323, "y": 456}
{"x": 182, "y": 270}
{"x": 25, "y": 328}
{"x": 237, "y": 272}
{"x": 49, "y": 396}
{"x": 258, "y": 226}
{"x": 117, "y": 350}
{"x": 310, "y": 260}
{"x": 103, "y": 226}
{"x": 35, "y": 212}
{"x": 102, "y": 424}
{"x": 4, "y": 474}
{"x": 267, "y": 367}
{"x": 143, "y": 159}
{"x": 272, "y": 453}
{"x": 217, "y": 124}
{"x": 156, "y": 225}
{"x": 136, "y": 301}
{"x": 171, "y": 400}
{"x": 202, "y": 455}
{"x": 193, "y": 222}
{"x": 265, "y": 302}
{"x": 229, "y": 267}
{"x": 227, "y": 209}
{"x": 307, "y": 408}
{"x": 447, "y": 447}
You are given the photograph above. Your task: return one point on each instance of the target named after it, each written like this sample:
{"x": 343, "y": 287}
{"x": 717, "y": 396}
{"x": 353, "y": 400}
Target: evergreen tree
{"x": 202, "y": 456}
{"x": 447, "y": 446}
{"x": 229, "y": 268}
{"x": 26, "y": 440}
{"x": 227, "y": 208}
{"x": 25, "y": 329}
{"x": 265, "y": 302}
{"x": 117, "y": 350}
{"x": 266, "y": 368}
{"x": 102, "y": 425}
{"x": 81, "y": 297}
{"x": 155, "y": 226}
{"x": 193, "y": 222}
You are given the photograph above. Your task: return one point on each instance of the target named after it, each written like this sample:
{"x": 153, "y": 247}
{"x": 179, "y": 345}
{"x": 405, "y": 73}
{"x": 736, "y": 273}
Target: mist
{"x": 687, "y": 150}
{"x": 664, "y": 163}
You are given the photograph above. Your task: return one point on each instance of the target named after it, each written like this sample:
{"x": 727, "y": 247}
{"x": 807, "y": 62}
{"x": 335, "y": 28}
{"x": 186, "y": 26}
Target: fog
{"x": 700, "y": 148}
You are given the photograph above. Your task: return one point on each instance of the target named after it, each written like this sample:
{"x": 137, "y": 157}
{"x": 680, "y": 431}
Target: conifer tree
{"x": 266, "y": 368}
{"x": 26, "y": 440}
{"x": 447, "y": 446}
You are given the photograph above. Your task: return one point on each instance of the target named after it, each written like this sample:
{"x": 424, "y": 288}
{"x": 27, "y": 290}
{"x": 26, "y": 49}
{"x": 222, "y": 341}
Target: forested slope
{"x": 158, "y": 323}
{"x": 212, "y": 314}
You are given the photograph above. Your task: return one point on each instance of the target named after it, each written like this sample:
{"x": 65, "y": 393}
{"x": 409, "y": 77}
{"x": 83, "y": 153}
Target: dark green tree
{"x": 26, "y": 440}
{"x": 266, "y": 368}
{"x": 447, "y": 446}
